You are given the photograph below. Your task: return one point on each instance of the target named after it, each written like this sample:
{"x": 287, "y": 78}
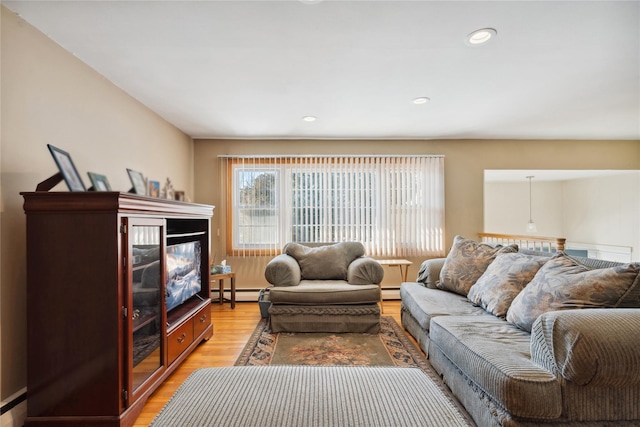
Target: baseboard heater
{"x": 251, "y": 294}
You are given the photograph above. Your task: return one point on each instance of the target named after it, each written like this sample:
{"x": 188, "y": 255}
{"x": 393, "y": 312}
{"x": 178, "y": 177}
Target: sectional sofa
{"x": 530, "y": 339}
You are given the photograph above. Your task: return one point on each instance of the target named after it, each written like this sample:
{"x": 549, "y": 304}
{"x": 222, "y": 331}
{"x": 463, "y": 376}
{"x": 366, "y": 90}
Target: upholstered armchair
{"x": 325, "y": 288}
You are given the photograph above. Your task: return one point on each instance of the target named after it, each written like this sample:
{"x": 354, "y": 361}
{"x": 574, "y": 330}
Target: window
{"x": 394, "y": 205}
{"x": 257, "y": 207}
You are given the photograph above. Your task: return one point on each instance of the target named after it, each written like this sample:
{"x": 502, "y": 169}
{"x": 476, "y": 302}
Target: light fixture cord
{"x": 530, "y": 219}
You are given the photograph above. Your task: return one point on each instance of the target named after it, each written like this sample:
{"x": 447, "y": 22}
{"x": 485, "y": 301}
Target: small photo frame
{"x": 179, "y": 195}
{"x": 67, "y": 169}
{"x": 99, "y": 182}
{"x": 139, "y": 185}
{"x": 154, "y": 188}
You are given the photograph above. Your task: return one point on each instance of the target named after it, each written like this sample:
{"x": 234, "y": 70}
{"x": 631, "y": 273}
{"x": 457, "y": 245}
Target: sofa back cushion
{"x": 503, "y": 280}
{"x": 466, "y": 262}
{"x": 562, "y": 283}
{"x": 330, "y": 262}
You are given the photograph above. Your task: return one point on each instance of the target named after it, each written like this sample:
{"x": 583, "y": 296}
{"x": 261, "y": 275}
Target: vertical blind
{"x": 393, "y": 204}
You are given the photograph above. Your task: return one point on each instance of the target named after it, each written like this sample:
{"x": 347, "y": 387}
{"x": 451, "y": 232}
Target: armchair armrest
{"x": 596, "y": 347}
{"x": 283, "y": 270}
{"x": 365, "y": 271}
{"x": 429, "y": 273}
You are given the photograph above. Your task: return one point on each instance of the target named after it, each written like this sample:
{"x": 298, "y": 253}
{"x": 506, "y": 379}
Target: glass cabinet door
{"x": 145, "y": 313}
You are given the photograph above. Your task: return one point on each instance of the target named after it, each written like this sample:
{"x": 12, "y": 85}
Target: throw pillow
{"x": 503, "y": 280}
{"x": 429, "y": 272}
{"x": 466, "y": 262}
{"x": 562, "y": 284}
{"x": 328, "y": 262}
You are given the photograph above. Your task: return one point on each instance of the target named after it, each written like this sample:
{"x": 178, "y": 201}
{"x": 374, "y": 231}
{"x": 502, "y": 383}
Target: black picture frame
{"x": 67, "y": 169}
{"x": 99, "y": 182}
{"x": 137, "y": 180}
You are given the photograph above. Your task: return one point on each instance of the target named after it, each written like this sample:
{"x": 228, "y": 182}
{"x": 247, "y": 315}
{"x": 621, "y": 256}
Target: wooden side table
{"x": 220, "y": 279}
{"x": 394, "y": 263}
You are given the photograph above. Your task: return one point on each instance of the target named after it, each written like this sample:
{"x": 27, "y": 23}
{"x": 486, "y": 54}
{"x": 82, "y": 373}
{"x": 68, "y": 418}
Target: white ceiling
{"x": 253, "y": 69}
{"x": 520, "y": 175}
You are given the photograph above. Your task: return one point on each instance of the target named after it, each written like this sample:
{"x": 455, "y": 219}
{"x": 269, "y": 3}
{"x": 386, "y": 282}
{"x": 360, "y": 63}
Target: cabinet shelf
{"x": 184, "y": 311}
{"x": 175, "y": 236}
{"x": 141, "y": 322}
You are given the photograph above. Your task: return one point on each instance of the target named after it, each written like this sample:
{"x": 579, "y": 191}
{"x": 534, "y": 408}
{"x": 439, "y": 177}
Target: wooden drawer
{"x": 179, "y": 340}
{"x": 201, "y": 321}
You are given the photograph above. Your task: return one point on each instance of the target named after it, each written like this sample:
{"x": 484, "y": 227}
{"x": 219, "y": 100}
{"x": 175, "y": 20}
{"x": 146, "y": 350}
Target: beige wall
{"x": 602, "y": 210}
{"x": 49, "y": 96}
{"x": 506, "y": 207}
{"x": 465, "y": 162}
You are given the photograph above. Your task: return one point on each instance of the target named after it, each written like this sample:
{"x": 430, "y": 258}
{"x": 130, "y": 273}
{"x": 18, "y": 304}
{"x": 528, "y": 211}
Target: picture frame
{"x": 67, "y": 169}
{"x": 154, "y": 188}
{"x": 179, "y": 195}
{"x": 99, "y": 182}
{"x": 138, "y": 182}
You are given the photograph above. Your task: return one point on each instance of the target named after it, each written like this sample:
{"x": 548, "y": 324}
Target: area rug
{"x": 310, "y": 396}
{"x": 390, "y": 347}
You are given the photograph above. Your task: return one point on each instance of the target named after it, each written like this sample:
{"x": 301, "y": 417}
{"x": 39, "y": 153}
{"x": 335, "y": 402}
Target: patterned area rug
{"x": 390, "y": 347}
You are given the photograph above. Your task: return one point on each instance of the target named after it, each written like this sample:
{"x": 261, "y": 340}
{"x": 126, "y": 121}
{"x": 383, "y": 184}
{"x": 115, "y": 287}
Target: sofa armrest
{"x": 596, "y": 347}
{"x": 365, "y": 271}
{"x": 283, "y": 270}
{"x": 429, "y": 273}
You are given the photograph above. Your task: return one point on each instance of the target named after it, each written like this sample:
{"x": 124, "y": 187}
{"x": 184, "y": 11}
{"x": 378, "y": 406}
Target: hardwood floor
{"x": 231, "y": 330}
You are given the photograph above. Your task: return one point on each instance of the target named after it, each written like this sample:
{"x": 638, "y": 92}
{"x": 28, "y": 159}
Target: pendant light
{"x": 531, "y": 226}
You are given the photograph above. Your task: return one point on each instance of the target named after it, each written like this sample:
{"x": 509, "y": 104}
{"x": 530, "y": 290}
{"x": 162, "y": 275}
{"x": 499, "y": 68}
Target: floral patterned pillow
{"x": 503, "y": 280}
{"x": 466, "y": 262}
{"x": 562, "y": 284}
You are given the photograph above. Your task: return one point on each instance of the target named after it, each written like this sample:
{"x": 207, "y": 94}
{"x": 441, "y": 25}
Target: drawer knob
{"x": 182, "y": 337}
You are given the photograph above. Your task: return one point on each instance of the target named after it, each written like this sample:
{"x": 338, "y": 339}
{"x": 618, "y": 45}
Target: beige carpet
{"x": 310, "y": 396}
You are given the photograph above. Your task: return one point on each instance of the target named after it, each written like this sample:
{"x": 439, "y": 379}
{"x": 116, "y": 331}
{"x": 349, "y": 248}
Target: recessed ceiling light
{"x": 421, "y": 100}
{"x": 481, "y": 36}
{"x": 309, "y": 118}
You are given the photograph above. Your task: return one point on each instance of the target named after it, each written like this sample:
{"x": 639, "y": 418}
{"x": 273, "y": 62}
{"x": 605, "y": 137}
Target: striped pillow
{"x": 562, "y": 284}
{"x": 503, "y": 280}
{"x": 466, "y": 262}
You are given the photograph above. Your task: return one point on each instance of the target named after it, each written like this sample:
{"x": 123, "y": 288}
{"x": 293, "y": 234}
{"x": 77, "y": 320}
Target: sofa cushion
{"x": 321, "y": 292}
{"x": 494, "y": 355}
{"x": 426, "y": 303}
{"x": 503, "y": 280}
{"x": 328, "y": 262}
{"x": 562, "y": 283}
{"x": 466, "y": 262}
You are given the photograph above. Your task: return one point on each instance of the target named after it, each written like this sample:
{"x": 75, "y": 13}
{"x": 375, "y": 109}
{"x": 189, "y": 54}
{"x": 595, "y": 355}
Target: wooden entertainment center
{"x": 101, "y": 270}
